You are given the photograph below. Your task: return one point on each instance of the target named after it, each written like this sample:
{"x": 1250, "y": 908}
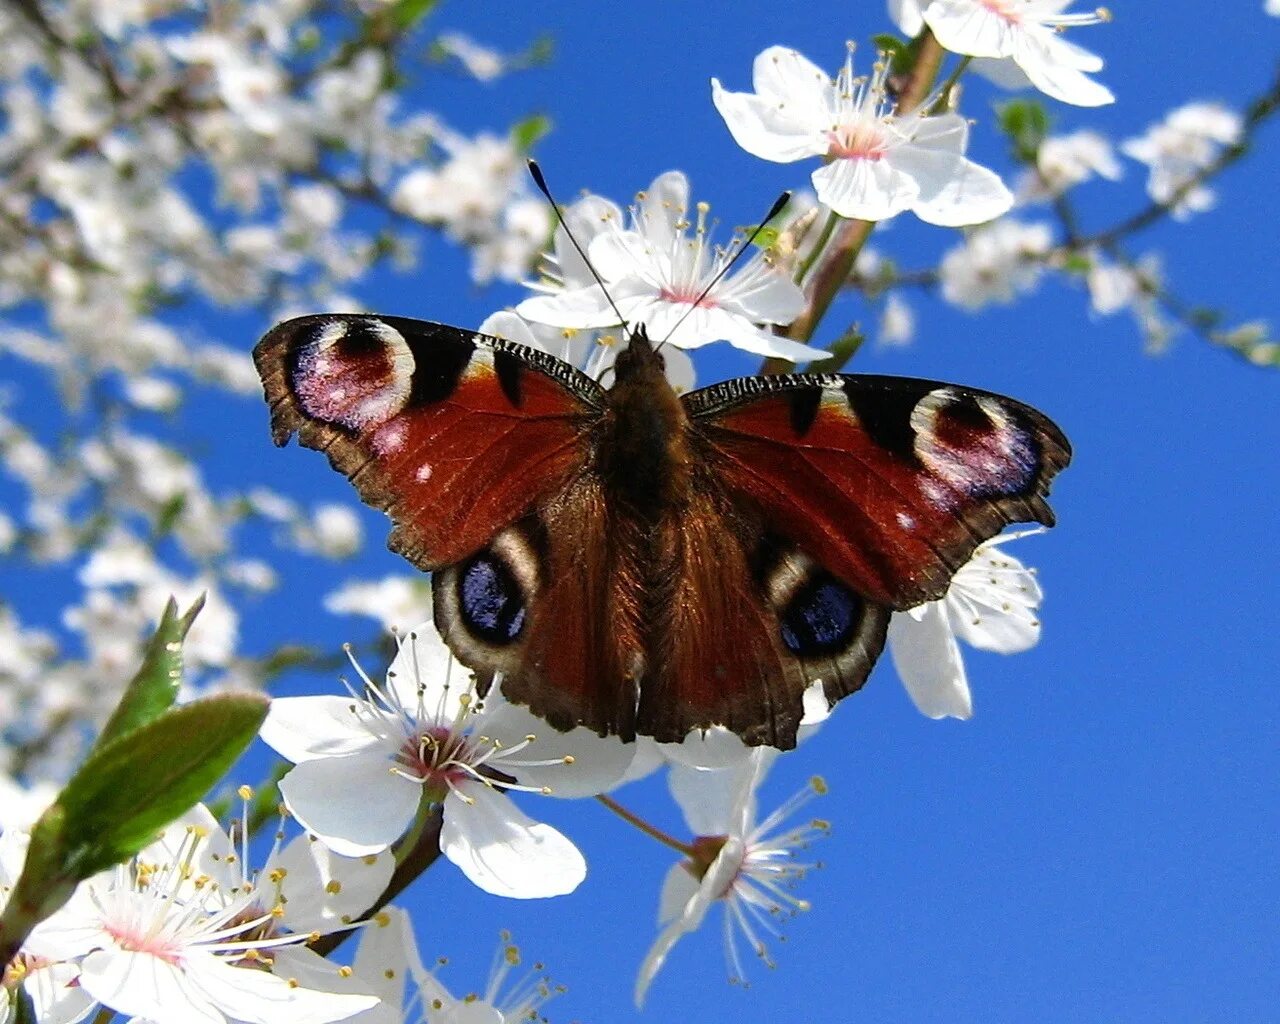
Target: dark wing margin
{"x": 889, "y": 483}
{"x": 455, "y": 435}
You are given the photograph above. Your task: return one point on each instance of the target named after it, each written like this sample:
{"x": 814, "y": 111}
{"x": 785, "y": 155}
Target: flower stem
{"x": 949, "y": 84}
{"x": 923, "y": 74}
{"x": 819, "y": 247}
{"x": 644, "y": 826}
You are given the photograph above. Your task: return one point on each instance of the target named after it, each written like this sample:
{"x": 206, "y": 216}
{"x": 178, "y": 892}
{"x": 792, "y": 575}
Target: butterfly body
{"x": 642, "y": 562}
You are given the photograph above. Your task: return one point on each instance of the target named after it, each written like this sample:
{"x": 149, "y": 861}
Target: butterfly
{"x": 641, "y": 562}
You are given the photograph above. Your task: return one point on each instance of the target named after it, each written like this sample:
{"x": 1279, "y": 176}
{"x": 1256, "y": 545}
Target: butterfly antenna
{"x": 536, "y": 172}
{"x": 774, "y": 210}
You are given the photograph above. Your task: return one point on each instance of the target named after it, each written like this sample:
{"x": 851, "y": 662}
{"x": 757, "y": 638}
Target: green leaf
{"x": 527, "y": 132}
{"x": 129, "y": 789}
{"x": 1026, "y": 122}
{"x": 841, "y": 352}
{"x": 155, "y": 687}
{"x": 168, "y": 517}
{"x": 898, "y": 51}
{"x": 406, "y": 14}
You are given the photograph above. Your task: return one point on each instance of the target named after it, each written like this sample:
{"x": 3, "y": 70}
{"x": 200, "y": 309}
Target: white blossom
{"x": 993, "y": 604}
{"x": 995, "y": 263}
{"x": 366, "y": 764}
{"x": 1028, "y": 35}
{"x": 180, "y": 934}
{"x": 1065, "y": 161}
{"x": 879, "y": 163}
{"x": 1179, "y": 148}
{"x": 388, "y": 956}
{"x": 656, "y": 276}
{"x": 735, "y": 859}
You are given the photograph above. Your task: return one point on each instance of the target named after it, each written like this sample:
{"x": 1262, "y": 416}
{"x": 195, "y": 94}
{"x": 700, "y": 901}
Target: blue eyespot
{"x": 821, "y": 617}
{"x": 490, "y": 600}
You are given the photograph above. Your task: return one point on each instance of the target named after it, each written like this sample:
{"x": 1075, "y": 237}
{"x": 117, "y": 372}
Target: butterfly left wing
{"x": 455, "y": 435}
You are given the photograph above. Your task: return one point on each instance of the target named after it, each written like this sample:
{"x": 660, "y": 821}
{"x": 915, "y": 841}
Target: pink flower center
{"x": 1006, "y": 9}
{"x": 686, "y": 297}
{"x": 858, "y": 140}
{"x": 436, "y": 756}
{"x": 159, "y": 946}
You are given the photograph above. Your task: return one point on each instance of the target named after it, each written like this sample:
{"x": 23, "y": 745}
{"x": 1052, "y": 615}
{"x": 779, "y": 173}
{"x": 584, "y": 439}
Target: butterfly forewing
{"x": 454, "y": 434}
{"x": 889, "y": 483}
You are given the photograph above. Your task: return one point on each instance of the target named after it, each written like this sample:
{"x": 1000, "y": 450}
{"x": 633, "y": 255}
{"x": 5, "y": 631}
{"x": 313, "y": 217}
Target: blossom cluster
{"x": 255, "y": 160}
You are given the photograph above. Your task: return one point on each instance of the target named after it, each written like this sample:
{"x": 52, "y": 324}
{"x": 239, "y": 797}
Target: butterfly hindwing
{"x": 888, "y": 483}
{"x": 454, "y": 434}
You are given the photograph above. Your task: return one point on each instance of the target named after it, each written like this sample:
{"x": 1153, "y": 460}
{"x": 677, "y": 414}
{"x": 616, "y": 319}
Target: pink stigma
{"x": 858, "y": 141}
{"x": 687, "y": 298}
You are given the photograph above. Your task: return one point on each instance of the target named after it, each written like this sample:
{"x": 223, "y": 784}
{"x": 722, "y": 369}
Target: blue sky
{"x": 1099, "y": 842}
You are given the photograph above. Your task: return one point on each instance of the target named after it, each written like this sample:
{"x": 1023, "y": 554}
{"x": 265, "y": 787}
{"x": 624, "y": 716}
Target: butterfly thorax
{"x": 644, "y": 449}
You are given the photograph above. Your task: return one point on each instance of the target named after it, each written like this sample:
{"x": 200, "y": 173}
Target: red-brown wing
{"x": 889, "y": 483}
{"x": 553, "y": 604}
{"x": 744, "y": 623}
{"x": 454, "y": 434}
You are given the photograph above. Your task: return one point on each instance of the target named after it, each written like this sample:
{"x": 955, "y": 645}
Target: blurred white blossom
{"x": 1179, "y": 148}
{"x": 995, "y": 263}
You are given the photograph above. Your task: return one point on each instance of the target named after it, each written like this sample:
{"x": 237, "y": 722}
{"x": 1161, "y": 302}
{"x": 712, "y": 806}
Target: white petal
{"x": 258, "y": 997}
{"x": 948, "y": 133}
{"x": 588, "y": 217}
{"x": 689, "y": 919}
{"x": 993, "y": 603}
{"x": 908, "y": 16}
{"x": 763, "y": 130}
{"x": 817, "y": 709}
{"x": 302, "y": 728}
{"x": 579, "y": 308}
{"x": 955, "y": 191}
{"x": 787, "y": 76}
{"x": 1003, "y": 71}
{"x": 505, "y": 852}
{"x": 663, "y": 206}
{"x": 599, "y": 762}
{"x": 761, "y": 294}
{"x": 928, "y": 661}
{"x": 648, "y": 759}
{"x": 621, "y": 255}
{"x": 507, "y": 323}
{"x": 865, "y": 189}
{"x": 324, "y": 890}
{"x": 714, "y": 748}
{"x": 708, "y": 799}
{"x": 1038, "y": 58}
{"x": 387, "y": 946}
{"x": 56, "y": 994}
{"x": 678, "y": 888}
{"x": 143, "y": 985}
{"x": 357, "y": 805}
{"x": 965, "y": 26}
{"x": 424, "y": 673}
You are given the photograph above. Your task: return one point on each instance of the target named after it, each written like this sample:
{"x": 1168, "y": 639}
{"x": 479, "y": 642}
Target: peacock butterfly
{"x": 647, "y": 563}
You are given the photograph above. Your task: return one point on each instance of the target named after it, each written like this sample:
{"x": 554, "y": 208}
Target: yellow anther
{"x": 333, "y": 886}
{"x": 245, "y": 792}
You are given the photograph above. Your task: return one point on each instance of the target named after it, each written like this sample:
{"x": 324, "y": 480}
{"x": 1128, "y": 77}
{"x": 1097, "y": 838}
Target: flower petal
{"x": 357, "y": 805}
{"x": 598, "y": 762}
{"x": 259, "y": 997}
{"x": 963, "y": 26}
{"x": 502, "y": 850}
{"x": 865, "y": 189}
{"x": 1042, "y": 61}
{"x": 928, "y": 662}
{"x": 301, "y": 729}
{"x": 324, "y": 891}
{"x": 142, "y": 985}
{"x": 426, "y": 679}
{"x": 578, "y": 307}
{"x": 954, "y": 191}
{"x": 762, "y": 129}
